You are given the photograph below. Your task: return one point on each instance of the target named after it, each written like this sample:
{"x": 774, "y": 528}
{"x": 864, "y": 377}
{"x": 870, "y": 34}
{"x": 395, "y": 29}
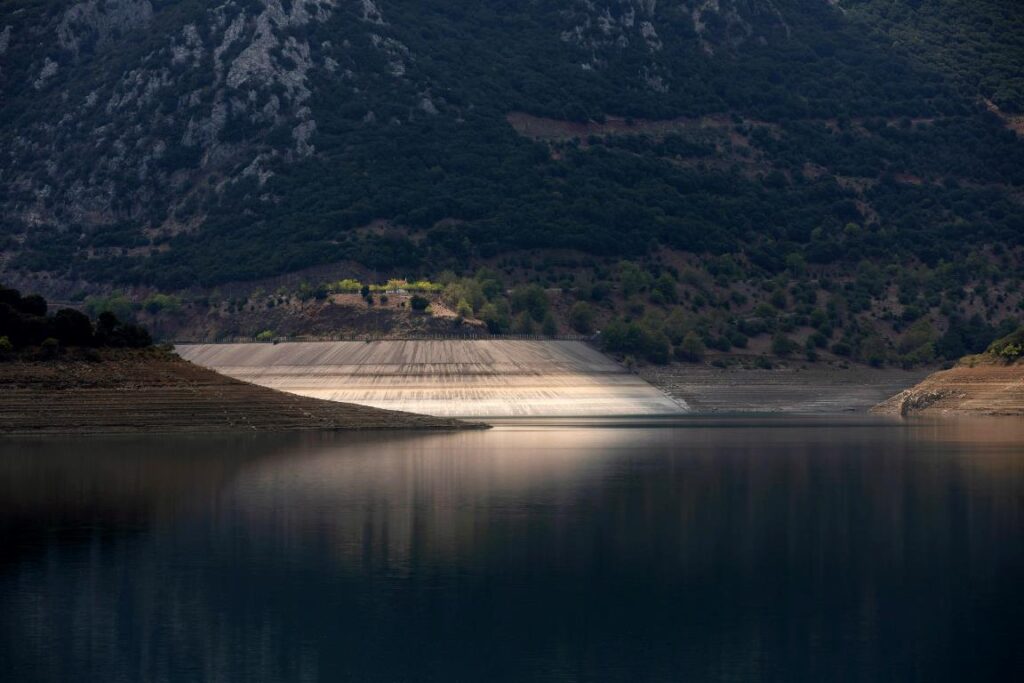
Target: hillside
{"x": 987, "y": 384}
{"x": 825, "y": 149}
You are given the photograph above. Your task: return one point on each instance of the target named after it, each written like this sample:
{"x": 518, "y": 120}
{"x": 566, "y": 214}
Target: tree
{"x": 665, "y": 286}
{"x": 524, "y": 324}
{"x": 496, "y": 316}
{"x": 634, "y": 279}
{"x": 531, "y": 299}
{"x": 419, "y": 303}
{"x": 164, "y": 302}
{"x": 783, "y": 346}
{"x": 581, "y": 317}
{"x": 691, "y": 350}
{"x": 33, "y": 304}
{"x": 549, "y": 326}
{"x": 73, "y": 328}
{"x": 49, "y": 349}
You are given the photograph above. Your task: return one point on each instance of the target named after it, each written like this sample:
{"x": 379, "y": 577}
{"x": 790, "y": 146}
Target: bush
{"x": 633, "y": 338}
{"x": 691, "y": 350}
{"x": 783, "y": 346}
{"x": 33, "y": 304}
{"x": 73, "y": 328}
{"x": 549, "y": 326}
{"x": 842, "y": 349}
{"x": 581, "y": 317}
{"x": 531, "y": 299}
{"x": 523, "y": 324}
{"x": 496, "y": 316}
{"x": 161, "y": 302}
{"x": 419, "y": 303}
{"x": 1010, "y": 347}
{"x": 49, "y": 349}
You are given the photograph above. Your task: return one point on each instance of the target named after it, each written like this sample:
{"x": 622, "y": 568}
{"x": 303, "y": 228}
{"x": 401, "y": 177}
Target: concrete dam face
{"x": 451, "y": 378}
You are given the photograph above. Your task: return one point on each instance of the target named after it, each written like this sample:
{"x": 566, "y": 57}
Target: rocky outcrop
{"x": 165, "y": 109}
{"x": 976, "y": 386}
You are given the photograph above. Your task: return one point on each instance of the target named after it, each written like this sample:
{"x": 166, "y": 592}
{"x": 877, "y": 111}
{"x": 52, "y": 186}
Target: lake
{"x": 697, "y": 550}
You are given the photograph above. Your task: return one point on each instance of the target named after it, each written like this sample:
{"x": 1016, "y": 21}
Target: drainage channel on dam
{"x": 450, "y": 378}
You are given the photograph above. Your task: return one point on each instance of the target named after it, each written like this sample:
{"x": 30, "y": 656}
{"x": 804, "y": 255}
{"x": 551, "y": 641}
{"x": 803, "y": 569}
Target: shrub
{"x": 633, "y": 338}
{"x": 783, "y": 346}
{"x": 1010, "y": 347}
{"x": 581, "y": 317}
{"x": 73, "y": 328}
{"x": 161, "y": 302}
{"x": 523, "y": 324}
{"x": 549, "y": 326}
{"x": 531, "y": 299}
{"x": 419, "y": 303}
{"x": 496, "y": 316}
{"x": 118, "y": 304}
{"x": 49, "y": 349}
{"x": 842, "y": 349}
{"x": 33, "y": 304}
{"x": 691, "y": 350}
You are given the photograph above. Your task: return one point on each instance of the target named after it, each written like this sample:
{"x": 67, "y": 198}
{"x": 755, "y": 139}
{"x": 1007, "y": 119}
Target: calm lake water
{"x": 768, "y": 550}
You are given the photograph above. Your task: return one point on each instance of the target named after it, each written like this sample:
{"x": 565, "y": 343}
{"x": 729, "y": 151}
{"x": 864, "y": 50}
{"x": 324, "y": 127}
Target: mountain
{"x": 177, "y": 144}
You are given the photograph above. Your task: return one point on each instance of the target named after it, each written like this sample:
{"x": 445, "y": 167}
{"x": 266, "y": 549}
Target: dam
{"x": 446, "y": 378}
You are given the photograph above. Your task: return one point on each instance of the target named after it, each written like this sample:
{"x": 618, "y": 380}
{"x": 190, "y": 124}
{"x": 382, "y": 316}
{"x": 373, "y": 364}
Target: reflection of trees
{"x": 624, "y": 554}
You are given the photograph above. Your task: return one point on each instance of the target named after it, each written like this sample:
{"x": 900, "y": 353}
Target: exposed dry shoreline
{"x": 976, "y": 386}
{"x": 801, "y": 388}
{"x": 154, "y": 391}
{"x": 478, "y": 379}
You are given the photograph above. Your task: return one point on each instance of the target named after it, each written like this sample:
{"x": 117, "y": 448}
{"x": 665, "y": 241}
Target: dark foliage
{"x": 24, "y": 324}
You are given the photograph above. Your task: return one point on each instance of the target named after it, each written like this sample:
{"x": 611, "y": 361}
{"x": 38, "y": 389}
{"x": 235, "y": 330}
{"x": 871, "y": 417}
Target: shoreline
{"x": 154, "y": 391}
{"x": 978, "y": 386}
{"x": 797, "y": 389}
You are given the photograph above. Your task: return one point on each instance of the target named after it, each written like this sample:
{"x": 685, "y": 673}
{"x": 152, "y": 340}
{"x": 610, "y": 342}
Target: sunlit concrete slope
{"x": 465, "y": 378}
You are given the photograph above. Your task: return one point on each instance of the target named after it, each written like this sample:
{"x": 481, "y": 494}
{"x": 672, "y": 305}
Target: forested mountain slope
{"x": 179, "y": 143}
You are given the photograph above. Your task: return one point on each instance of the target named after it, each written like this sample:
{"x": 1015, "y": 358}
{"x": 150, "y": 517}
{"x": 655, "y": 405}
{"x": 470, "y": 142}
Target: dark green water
{"x": 713, "y": 551}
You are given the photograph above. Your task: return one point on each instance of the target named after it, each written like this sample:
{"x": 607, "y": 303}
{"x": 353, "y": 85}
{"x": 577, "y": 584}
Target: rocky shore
{"x": 978, "y": 385}
{"x": 122, "y": 391}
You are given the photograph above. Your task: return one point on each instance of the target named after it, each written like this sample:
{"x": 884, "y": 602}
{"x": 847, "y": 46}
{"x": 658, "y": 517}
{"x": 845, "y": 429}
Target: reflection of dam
{"x": 461, "y": 378}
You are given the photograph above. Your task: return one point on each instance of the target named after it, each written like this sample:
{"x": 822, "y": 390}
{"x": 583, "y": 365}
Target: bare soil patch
{"x": 976, "y": 386}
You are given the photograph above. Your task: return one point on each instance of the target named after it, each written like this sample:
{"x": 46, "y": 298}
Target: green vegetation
{"x": 832, "y": 184}
{"x": 25, "y": 325}
{"x": 1010, "y": 347}
{"x": 817, "y": 97}
{"x": 978, "y": 43}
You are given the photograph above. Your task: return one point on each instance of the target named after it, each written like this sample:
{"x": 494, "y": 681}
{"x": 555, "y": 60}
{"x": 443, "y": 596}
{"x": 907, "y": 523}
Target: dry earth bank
{"x": 811, "y": 388}
{"x": 978, "y": 385}
{"x": 155, "y": 391}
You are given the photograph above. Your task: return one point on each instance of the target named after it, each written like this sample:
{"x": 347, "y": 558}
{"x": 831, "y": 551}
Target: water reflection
{"x": 709, "y": 551}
